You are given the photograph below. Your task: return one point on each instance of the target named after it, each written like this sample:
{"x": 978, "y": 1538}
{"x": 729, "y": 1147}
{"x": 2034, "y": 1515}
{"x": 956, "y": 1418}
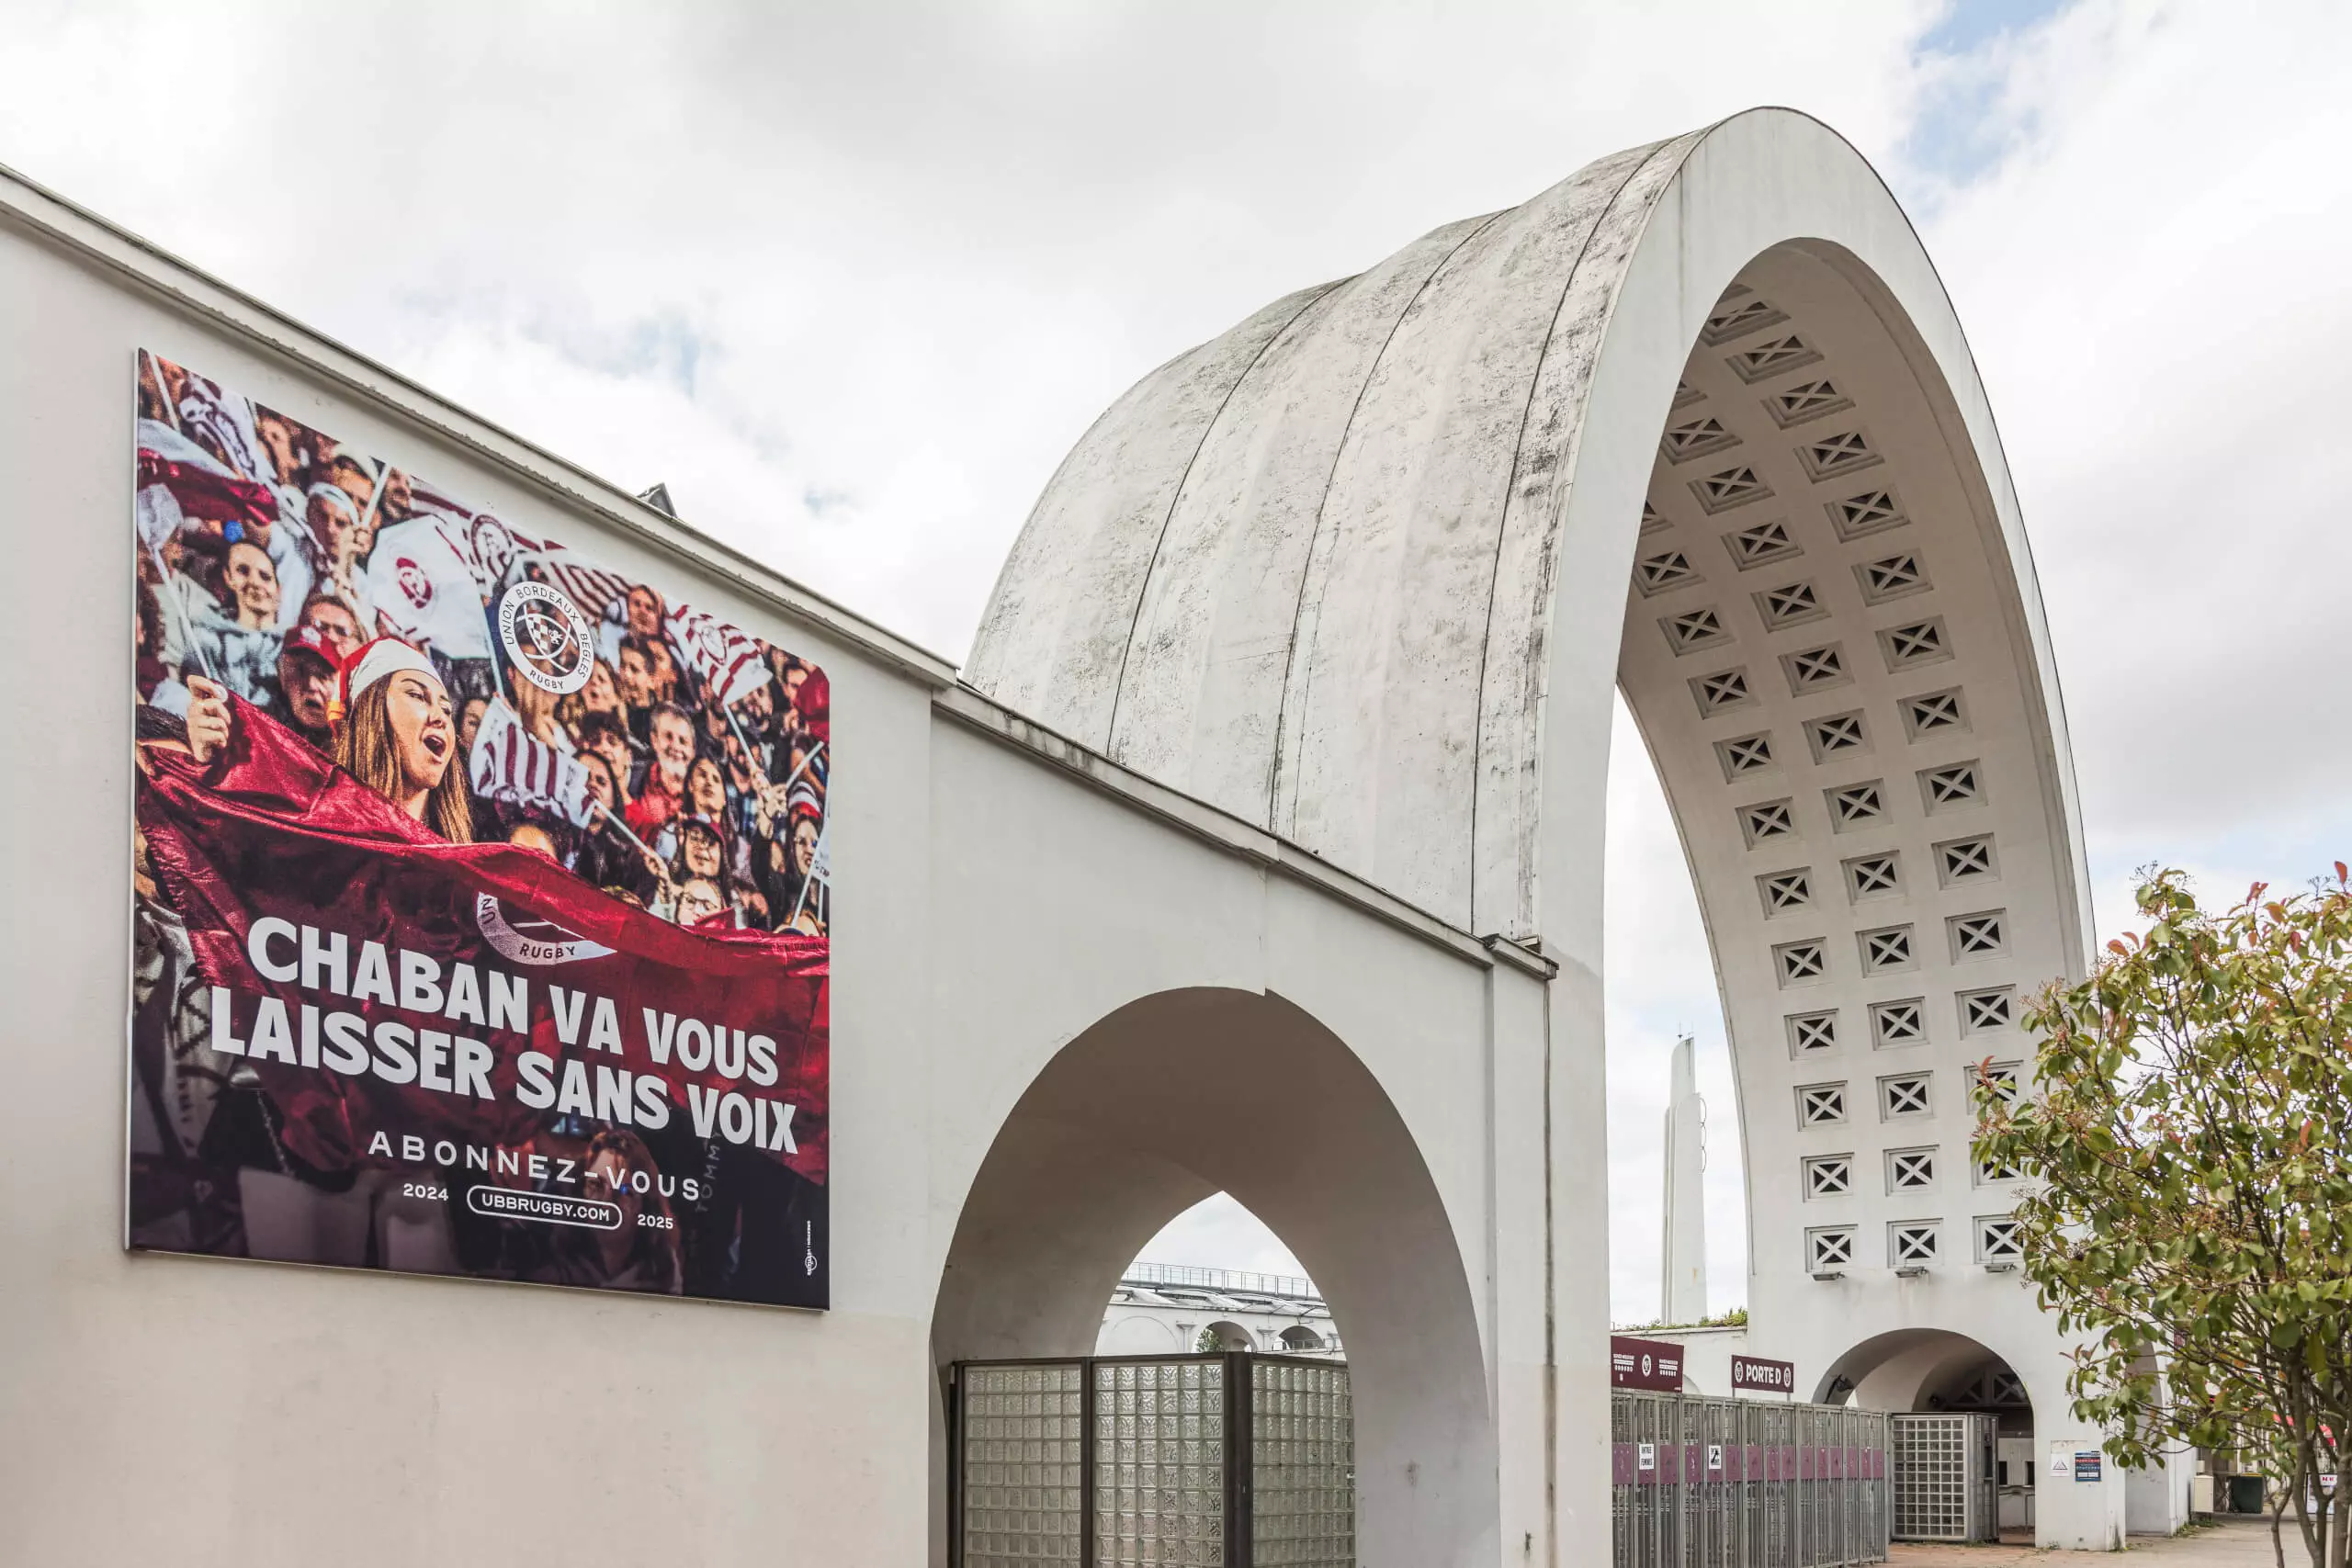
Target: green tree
{"x": 2188, "y": 1210}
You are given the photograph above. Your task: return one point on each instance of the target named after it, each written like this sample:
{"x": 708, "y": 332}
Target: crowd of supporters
{"x": 681, "y": 763}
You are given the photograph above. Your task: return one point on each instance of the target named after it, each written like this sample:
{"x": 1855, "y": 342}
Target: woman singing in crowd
{"x": 400, "y": 737}
{"x": 399, "y": 734}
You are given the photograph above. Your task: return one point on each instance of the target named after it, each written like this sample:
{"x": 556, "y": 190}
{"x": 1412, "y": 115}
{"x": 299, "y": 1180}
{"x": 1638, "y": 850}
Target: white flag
{"x": 728, "y": 661}
{"x": 419, "y": 581}
{"x": 508, "y": 765}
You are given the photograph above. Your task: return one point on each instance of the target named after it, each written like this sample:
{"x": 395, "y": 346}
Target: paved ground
{"x": 2237, "y": 1543}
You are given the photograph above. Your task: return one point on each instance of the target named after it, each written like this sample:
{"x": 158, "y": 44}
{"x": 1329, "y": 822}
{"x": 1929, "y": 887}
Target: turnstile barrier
{"x": 1740, "y": 1483}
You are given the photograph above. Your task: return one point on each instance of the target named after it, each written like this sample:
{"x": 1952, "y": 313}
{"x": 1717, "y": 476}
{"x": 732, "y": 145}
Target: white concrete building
{"x": 1162, "y": 1309}
{"x": 1258, "y": 848}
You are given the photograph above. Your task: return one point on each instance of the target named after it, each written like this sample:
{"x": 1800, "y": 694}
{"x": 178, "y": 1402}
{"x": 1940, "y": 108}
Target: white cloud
{"x": 2151, "y": 280}
{"x": 850, "y": 279}
{"x": 1218, "y": 1233}
{"x": 918, "y": 247}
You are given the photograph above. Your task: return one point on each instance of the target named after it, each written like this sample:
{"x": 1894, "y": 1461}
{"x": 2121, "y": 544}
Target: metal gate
{"x": 1739, "y": 1484}
{"x": 1232, "y": 1460}
{"x": 1947, "y": 1485}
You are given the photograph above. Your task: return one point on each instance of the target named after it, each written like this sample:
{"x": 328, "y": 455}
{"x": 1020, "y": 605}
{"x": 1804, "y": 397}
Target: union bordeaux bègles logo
{"x": 547, "y": 637}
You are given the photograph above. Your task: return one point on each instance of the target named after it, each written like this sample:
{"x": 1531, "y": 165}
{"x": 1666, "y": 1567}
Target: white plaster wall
{"x": 1431, "y": 1028}
{"x": 162, "y": 1408}
{"x": 993, "y": 905}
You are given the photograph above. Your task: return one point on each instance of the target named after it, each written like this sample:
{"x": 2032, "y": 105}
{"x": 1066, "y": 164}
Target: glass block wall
{"x": 1160, "y": 1462}
{"x": 1301, "y": 1465}
{"x": 1230, "y": 1460}
{"x": 1023, "y": 1463}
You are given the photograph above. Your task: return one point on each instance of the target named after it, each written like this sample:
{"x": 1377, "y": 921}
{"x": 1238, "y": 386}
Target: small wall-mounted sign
{"x": 1652, "y": 1364}
{"x": 1770, "y": 1377}
{"x": 1648, "y": 1456}
{"x": 2086, "y": 1464}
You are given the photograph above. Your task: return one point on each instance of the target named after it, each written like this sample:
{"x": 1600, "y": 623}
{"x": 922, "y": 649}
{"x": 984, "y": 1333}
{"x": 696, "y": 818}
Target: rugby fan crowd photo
{"x": 376, "y": 726}
{"x": 685, "y": 773}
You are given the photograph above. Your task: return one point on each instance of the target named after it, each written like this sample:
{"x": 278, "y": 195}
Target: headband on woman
{"x": 322, "y": 490}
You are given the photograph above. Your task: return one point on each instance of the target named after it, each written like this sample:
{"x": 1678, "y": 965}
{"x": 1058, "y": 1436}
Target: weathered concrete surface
{"x": 1308, "y": 572}
{"x": 1302, "y": 572}
{"x": 1357, "y": 573}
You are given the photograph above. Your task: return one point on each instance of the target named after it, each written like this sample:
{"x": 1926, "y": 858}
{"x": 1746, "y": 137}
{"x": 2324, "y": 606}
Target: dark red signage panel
{"x": 1769, "y": 1377}
{"x": 1652, "y": 1364}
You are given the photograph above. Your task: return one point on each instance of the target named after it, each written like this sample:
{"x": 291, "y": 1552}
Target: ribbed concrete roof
{"x": 1305, "y": 571}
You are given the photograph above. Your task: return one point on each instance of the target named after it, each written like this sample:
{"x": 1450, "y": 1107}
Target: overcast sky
{"x": 852, "y": 279}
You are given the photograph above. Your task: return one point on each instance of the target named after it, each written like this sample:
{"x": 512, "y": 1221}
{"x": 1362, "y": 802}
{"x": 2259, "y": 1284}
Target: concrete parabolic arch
{"x": 1358, "y": 573}
{"x": 1182, "y": 1094}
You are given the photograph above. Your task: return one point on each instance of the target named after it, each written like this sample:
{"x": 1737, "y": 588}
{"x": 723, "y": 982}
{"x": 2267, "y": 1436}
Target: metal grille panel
{"x": 1947, "y": 1486}
{"x": 1740, "y": 1483}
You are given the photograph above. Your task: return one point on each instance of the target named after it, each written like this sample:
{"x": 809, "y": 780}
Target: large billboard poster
{"x": 481, "y": 893}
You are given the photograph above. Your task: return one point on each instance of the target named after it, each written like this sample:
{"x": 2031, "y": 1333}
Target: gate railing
{"x": 1739, "y": 1484}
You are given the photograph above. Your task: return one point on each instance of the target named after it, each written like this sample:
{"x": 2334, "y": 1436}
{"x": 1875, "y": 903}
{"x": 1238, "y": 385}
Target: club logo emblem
{"x": 529, "y": 940}
{"x": 413, "y": 582}
{"x": 493, "y": 548}
{"x": 547, "y": 637}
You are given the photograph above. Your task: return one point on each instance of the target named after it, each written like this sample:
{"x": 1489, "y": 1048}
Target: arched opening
{"x": 1847, "y": 719}
{"x": 1215, "y": 1260}
{"x": 1180, "y": 1095}
{"x": 1924, "y": 1370}
{"x": 1225, "y": 1335}
{"x": 1701, "y": 419}
{"x": 1843, "y": 718}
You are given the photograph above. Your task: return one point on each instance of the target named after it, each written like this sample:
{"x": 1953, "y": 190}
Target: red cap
{"x": 309, "y": 639}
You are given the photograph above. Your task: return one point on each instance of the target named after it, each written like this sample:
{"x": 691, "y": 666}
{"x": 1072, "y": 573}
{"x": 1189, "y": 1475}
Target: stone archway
{"x": 1943, "y": 1371}
{"x": 1699, "y": 423}
{"x": 1229, "y": 1336}
{"x": 1925, "y": 1370}
{"x": 1186, "y": 1093}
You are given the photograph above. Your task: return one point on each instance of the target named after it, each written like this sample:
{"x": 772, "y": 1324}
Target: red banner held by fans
{"x": 480, "y": 926}
{"x": 266, "y": 852}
